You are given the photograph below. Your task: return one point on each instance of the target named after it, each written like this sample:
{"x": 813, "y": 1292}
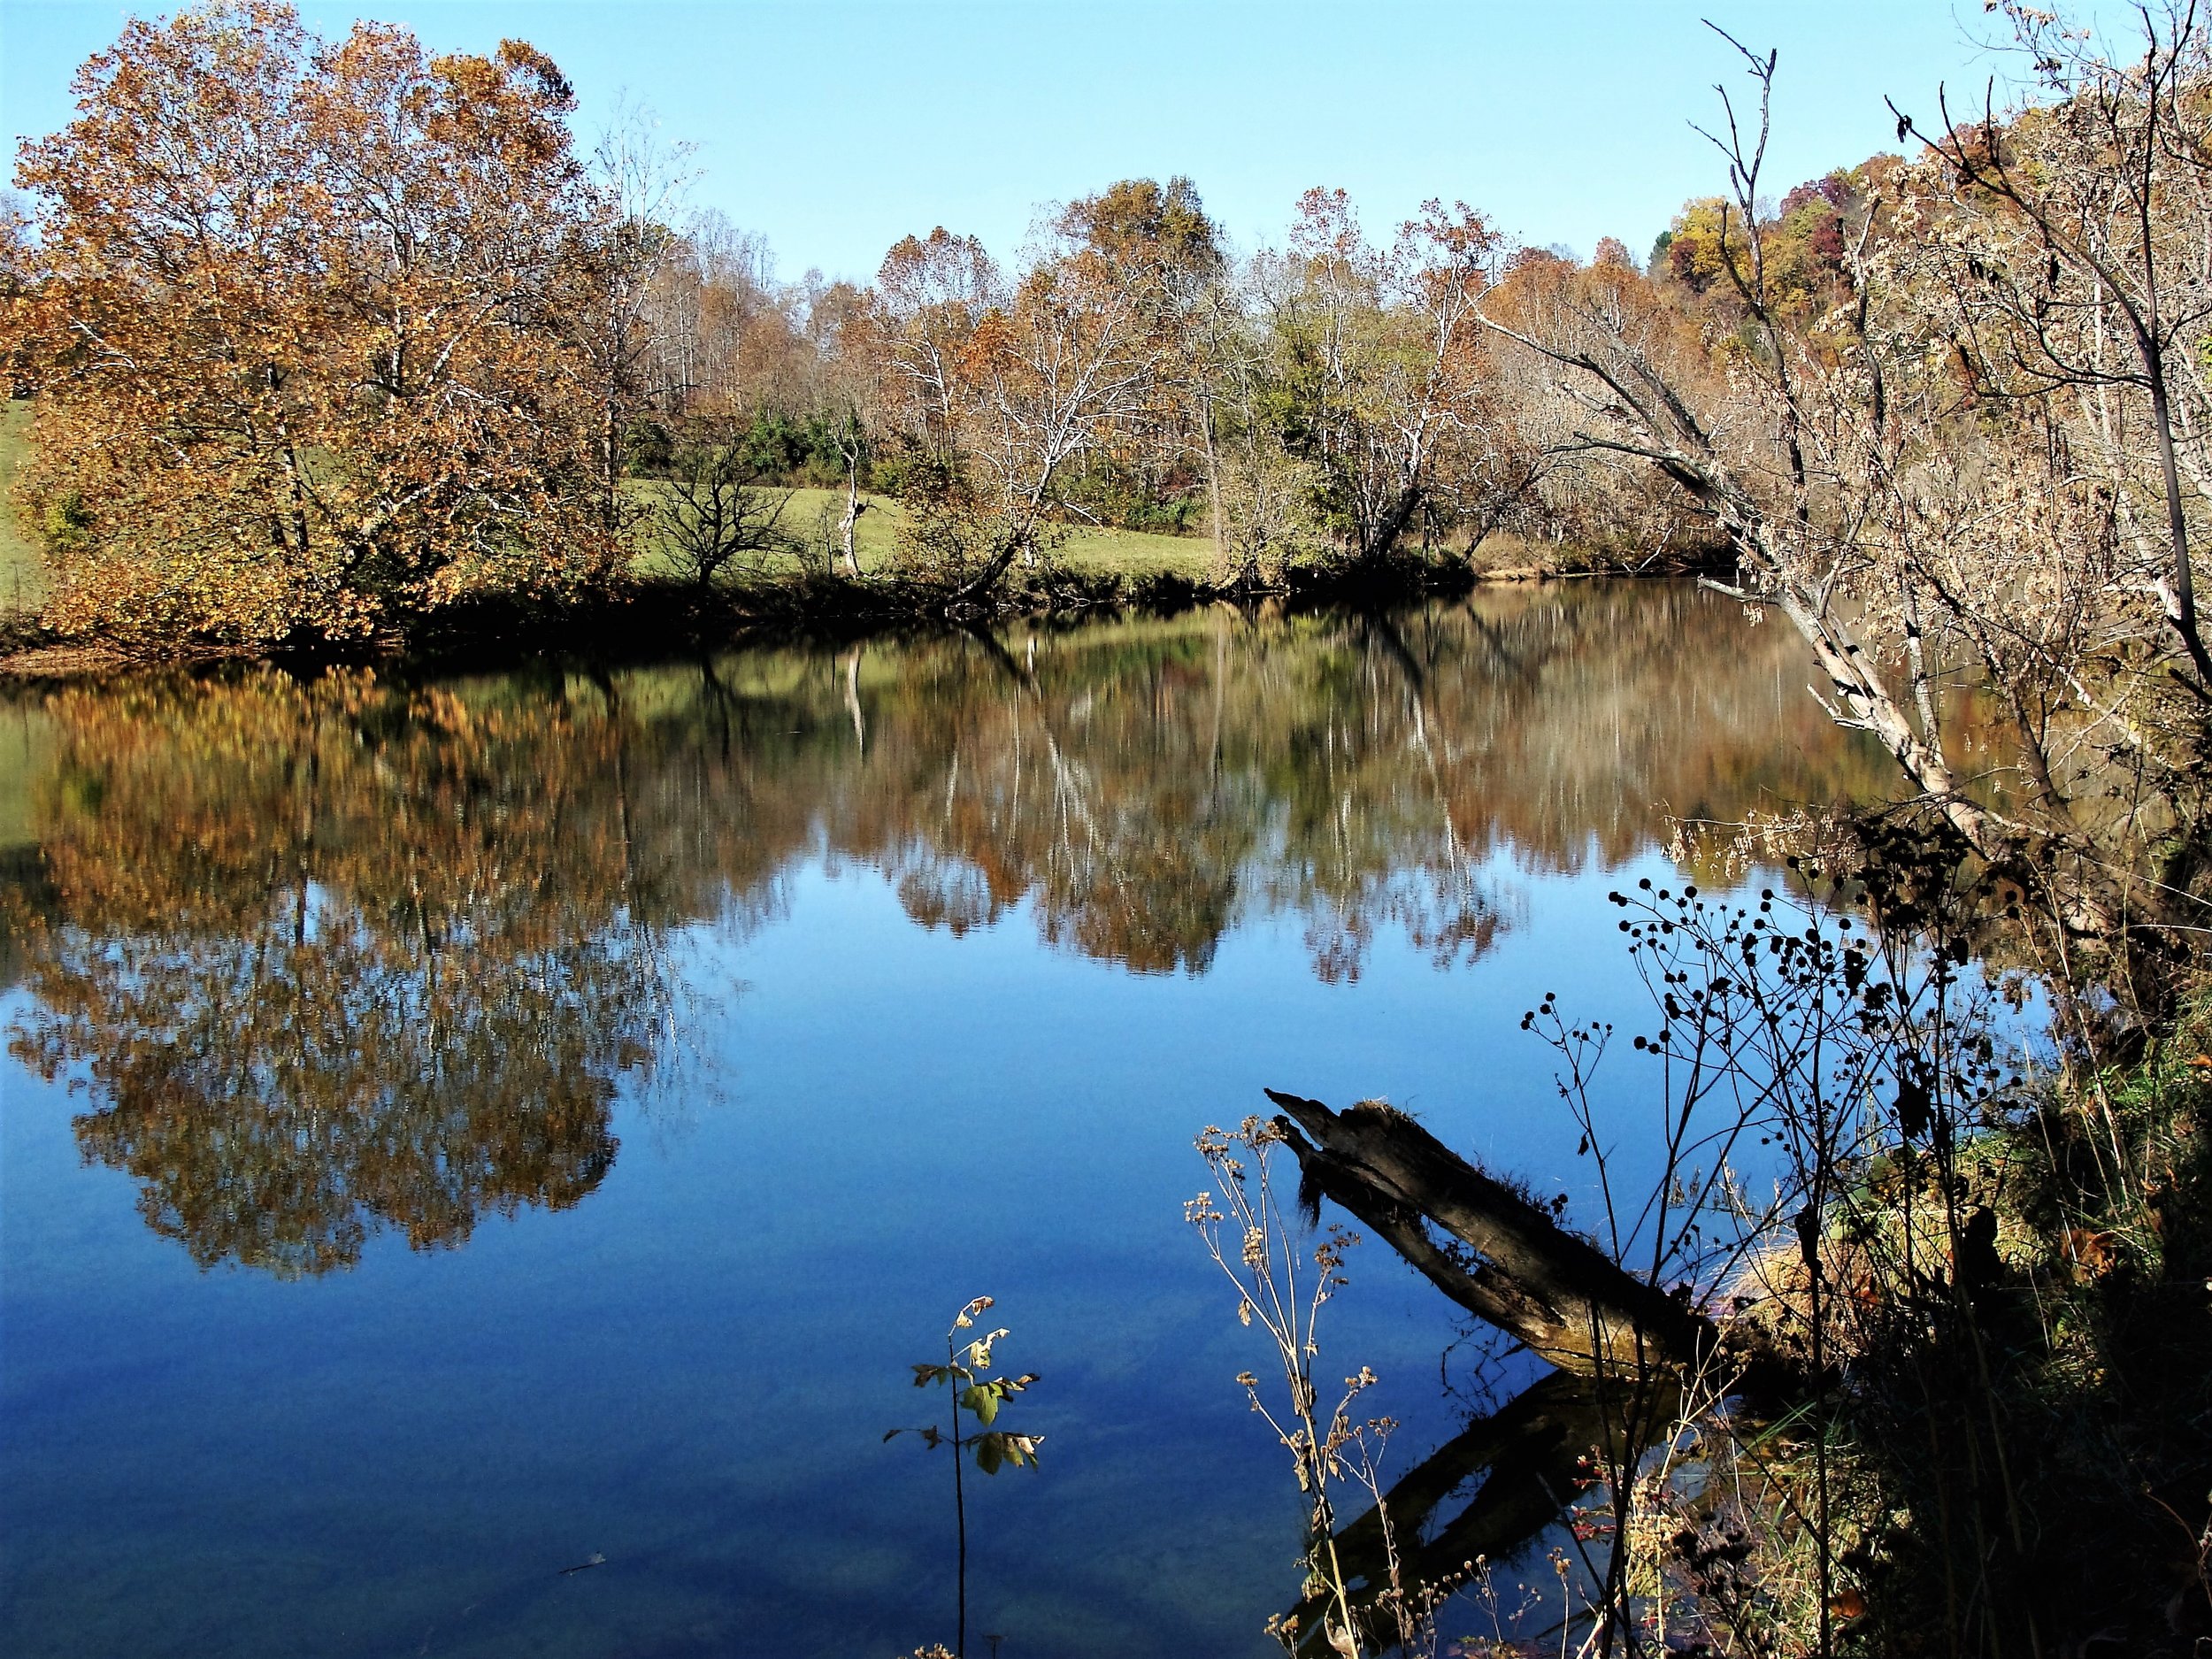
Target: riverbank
{"x": 1091, "y": 571}
{"x": 651, "y": 615}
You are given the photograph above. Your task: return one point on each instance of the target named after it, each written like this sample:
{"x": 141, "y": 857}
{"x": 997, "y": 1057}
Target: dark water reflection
{"x": 779, "y": 1002}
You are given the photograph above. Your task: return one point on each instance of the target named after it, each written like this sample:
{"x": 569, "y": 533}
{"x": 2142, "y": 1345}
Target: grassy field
{"x": 812, "y": 516}
{"x": 22, "y": 575}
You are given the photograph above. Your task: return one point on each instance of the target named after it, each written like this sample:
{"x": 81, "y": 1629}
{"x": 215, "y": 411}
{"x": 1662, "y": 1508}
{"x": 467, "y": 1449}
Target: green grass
{"x": 1138, "y": 552}
{"x": 813, "y": 514}
{"x": 22, "y": 568}
{"x": 1129, "y": 553}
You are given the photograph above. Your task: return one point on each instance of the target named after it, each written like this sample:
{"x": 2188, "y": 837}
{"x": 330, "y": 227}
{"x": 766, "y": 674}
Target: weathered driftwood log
{"x": 1491, "y": 1250}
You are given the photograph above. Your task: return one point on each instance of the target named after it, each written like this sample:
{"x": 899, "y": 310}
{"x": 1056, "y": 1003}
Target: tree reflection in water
{"x": 336, "y": 958}
{"x": 339, "y": 955}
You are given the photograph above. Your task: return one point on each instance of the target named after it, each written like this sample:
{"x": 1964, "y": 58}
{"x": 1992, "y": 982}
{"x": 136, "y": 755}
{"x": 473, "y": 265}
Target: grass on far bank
{"x": 22, "y": 571}
{"x": 812, "y": 517}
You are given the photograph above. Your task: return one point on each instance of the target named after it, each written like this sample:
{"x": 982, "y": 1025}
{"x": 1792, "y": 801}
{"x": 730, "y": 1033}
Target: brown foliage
{"x": 299, "y": 329}
{"x": 312, "y": 997}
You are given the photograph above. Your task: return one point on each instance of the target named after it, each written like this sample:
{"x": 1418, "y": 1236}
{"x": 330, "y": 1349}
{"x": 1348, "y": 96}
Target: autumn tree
{"x": 1913, "y": 532}
{"x": 728, "y": 339}
{"x": 1000, "y": 388}
{"x": 845, "y": 328}
{"x": 1699, "y": 243}
{"x": 1379, "y": 364}
{"x": 1164, "y": 252}
{"x": 1587, "y": 496}
{"x": 934, "y": 294}
{"x": 302, "y": 334}
{"x": 1611, "y": 250}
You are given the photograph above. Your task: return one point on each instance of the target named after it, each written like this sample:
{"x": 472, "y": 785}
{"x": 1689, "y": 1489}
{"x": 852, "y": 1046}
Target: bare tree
{"x": 1000, "y": 389}
{"x": 2074, "y": 254}
{"x": 1898, "y": 524}
{"x": 638, "y": 181}
{"x": 716, "y": 518}
{"x": 846, "y": 329}
{"x": 1380, "y": 353}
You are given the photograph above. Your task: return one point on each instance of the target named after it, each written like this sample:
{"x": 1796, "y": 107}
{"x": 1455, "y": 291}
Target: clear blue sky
{"x": 833, "y": 128}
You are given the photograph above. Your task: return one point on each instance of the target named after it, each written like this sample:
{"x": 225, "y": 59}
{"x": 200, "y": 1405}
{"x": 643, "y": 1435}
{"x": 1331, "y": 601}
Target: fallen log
{"x": 1492, "y": 1250}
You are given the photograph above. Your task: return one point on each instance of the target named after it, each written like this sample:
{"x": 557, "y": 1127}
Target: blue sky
{"x": 833, "y": 128}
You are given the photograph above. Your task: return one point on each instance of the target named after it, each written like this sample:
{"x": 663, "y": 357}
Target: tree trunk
{"x": 1220, "y": 530}
{"x": 1382, "y": 535}
{"x": 853, "y": 509}
{"x": 2181, "y": 591}
{"x": 1491, "y": 1250}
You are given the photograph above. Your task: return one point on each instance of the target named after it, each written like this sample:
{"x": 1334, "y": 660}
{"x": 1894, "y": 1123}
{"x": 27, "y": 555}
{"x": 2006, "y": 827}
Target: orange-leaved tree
{"x": 295, "y": 327}
{"x": 998, "y": 388}
{"x": 1380, "y": 375}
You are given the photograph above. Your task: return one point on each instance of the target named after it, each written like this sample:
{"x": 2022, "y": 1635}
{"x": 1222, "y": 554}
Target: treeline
{"x": 325, "y": 336}
{"x": 1337, "y": 399}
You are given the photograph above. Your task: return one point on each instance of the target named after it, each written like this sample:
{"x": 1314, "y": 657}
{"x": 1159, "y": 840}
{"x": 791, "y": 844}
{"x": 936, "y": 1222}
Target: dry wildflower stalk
{"x": 1247, "y": 1234}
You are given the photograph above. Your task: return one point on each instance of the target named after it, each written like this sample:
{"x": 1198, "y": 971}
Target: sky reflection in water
{"x": 507, "y": 1120}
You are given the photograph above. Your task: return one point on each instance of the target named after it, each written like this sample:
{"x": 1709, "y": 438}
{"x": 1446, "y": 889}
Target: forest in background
{"x": 414, "y": 346}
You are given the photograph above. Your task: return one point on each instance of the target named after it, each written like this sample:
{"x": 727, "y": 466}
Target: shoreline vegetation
{"x": 651, "y": 610}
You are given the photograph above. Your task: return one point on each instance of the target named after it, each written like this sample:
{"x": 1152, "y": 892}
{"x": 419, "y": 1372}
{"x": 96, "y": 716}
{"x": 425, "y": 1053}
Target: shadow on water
{"x": 1487, "y": 1495}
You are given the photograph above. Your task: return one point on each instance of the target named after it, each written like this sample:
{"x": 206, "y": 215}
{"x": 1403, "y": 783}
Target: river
{"x": 456, "y": 1130}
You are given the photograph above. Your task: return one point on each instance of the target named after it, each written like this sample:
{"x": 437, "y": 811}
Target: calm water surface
{"x": 456, "y": 1130}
